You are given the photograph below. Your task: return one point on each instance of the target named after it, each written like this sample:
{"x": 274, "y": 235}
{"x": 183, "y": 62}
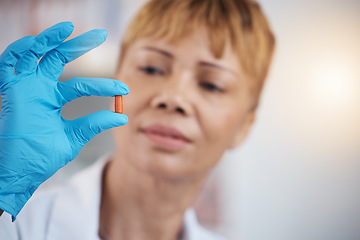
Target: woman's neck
{"x": 138, "y": 205}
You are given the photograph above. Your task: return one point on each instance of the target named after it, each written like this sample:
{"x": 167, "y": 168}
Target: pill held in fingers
{"x": 118, "y": 104}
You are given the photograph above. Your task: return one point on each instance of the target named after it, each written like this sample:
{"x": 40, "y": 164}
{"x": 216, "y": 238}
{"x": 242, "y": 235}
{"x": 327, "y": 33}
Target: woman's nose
{"x": 173, "y": 97}
{"x": 169, "y": 106}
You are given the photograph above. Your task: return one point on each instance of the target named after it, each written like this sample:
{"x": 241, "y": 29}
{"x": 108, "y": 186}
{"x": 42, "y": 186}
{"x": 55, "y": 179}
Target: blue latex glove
{"x": 35, "y": 141}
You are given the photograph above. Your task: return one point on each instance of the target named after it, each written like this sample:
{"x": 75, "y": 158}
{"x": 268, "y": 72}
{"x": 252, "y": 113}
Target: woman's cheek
{"x": 229, "y": 122}
{"x": 215, "y": 124}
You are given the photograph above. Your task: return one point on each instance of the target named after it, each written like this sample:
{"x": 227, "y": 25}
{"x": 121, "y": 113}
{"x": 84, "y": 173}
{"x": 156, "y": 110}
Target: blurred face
{"x": 185, "y": 107}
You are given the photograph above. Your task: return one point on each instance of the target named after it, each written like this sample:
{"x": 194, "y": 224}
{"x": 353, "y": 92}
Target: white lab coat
{"x": 72, "y": 212}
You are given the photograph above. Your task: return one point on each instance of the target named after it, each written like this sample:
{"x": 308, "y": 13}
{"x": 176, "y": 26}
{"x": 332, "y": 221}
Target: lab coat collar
{"x": 79, "y": 203}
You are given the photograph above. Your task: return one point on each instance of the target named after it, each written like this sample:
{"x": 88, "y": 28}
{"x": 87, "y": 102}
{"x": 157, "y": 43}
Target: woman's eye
{"x": 151, "y": 70}
{"x": 210, "y": 87}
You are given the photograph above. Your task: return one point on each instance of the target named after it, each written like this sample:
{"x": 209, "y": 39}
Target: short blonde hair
{"x": 239, "y": 21}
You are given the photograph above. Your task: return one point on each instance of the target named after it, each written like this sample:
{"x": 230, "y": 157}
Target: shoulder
{"x": 193, "y": 230}
{"x": 205, "y": 234}
{"x": 48, "y": 209}
{"x": 31, "y": 223}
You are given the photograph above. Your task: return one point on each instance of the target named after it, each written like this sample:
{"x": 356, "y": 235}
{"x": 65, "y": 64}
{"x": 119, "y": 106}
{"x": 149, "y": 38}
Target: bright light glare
{"x": 336, "y": 83}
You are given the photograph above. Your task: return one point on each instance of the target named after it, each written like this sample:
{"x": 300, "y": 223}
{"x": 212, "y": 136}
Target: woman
{"x": 195, "y": 70}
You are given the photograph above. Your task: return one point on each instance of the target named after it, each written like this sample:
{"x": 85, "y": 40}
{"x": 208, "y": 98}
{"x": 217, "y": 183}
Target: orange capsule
{"x": 118, "y": 104}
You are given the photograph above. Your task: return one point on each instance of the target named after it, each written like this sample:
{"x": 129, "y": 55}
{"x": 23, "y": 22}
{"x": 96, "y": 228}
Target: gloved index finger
{"x": 79, "y": 87}
{"x": 54, "y": 61}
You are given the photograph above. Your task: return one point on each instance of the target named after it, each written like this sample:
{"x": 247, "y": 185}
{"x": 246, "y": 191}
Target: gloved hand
{"x": 35, "y": 141}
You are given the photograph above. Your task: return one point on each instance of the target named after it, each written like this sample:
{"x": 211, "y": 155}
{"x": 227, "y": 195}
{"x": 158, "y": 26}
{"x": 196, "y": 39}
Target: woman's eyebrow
{"x": 209, "y": 64}
{"x": 165, "y": 53}
{"x": 202, "y": 63}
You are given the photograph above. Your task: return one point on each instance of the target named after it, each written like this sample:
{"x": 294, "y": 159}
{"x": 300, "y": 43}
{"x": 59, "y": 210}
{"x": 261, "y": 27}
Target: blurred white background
{"x": 297, "y": 176}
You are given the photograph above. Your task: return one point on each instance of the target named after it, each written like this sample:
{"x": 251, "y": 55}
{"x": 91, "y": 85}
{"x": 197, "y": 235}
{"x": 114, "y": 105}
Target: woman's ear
{"x": 244, "y": 130}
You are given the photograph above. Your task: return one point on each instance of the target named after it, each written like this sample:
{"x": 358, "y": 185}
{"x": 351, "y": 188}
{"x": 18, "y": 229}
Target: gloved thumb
{"x": 85, "y": 128}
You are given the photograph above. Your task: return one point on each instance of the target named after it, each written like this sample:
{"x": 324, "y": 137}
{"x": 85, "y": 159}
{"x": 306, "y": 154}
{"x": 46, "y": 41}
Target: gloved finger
{"x": 11, "y": 55}
{"x": 47, "y": 40}
{"x": 87, "y": 127}
{"x": 52, "y": 63}
{"x": 78, "y": 87}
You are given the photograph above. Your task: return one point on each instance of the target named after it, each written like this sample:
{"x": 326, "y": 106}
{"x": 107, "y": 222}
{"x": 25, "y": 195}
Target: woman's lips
{"x": 166, "y": 137}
